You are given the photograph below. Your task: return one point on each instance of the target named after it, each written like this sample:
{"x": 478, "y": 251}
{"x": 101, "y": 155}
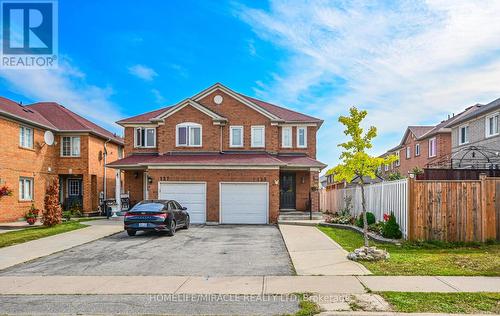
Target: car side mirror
{"x": 184, "y": 208}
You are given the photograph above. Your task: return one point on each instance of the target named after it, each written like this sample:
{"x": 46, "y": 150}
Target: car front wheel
{"x": 171, "y": 231}
{"x": 131, "y": 232}
{"x": 186, "y": 225}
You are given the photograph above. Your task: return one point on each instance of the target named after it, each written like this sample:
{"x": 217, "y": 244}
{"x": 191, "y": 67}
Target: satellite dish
{"x": 48, "y": 138}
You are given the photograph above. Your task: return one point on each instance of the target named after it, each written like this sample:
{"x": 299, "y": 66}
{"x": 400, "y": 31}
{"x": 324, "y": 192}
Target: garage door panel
{"x": 244, "y": 203}
{"x": 190, "y": 195}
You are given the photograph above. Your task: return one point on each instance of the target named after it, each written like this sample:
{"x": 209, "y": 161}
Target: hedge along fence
{"x": 429, "y": 210}
{"x": 381, "y": 198}
{"x": 455, "y": 210}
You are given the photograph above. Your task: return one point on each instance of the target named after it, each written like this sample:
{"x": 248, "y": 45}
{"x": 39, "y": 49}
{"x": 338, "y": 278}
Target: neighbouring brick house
{"x": 227, "y": 157}
{"x": 76, "y": 158}
{"x": 423, "y": 146}
{"x": 475, "y": 138}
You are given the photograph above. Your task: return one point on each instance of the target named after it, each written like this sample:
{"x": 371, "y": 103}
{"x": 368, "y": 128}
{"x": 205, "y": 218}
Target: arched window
{"x": 188, "y": 135}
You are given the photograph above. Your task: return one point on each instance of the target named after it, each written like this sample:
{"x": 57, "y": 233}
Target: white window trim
{"x": 79, "y": 181}
{"x": 305, "y": 136}
{"x": 290, "y": 131}
{"x": 487, "y": 125}
{"x": 254, "y": 127}
{"x": 231, "y": 128}
{"x": 386, "y": 167}
{"x": 22, "y": 129}
{"x": 466, "y": 134}
{"x": 417, "y": 150}
{"x": 189, "y": 125}
{"x": 397, "y": 162}
{"x": 431, "y": 140}
{"x": 71, "y": 147}
{"x": 21, "y": 198}
{"x": 145, "y": 137}
{"x": 408, "y": 152}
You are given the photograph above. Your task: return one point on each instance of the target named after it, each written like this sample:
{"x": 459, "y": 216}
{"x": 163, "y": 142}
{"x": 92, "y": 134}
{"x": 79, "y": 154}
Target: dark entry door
{"x": 287, "y": 191}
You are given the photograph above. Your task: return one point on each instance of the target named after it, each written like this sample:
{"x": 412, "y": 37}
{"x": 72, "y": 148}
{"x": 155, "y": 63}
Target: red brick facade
{"x": 215, "y": 139}
{"x": 44, "y": 163}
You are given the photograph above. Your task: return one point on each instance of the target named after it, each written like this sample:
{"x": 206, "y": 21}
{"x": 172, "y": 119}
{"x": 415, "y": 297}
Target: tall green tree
{"x": 356, "y": 163}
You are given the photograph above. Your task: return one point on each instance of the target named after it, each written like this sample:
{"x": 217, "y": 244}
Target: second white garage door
{"x": 244, "y": 203}
{"x": 192, "y": 195}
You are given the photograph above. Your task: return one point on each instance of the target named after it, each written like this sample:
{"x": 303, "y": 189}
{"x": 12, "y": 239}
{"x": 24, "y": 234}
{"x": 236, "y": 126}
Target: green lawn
{"x": 425, "y": 258}
{"x": 466, "y": 303}
{"x": 20, "y": 236}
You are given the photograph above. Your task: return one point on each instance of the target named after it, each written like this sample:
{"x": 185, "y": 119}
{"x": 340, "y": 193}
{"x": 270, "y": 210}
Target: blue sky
{"x": 406, "y": 62}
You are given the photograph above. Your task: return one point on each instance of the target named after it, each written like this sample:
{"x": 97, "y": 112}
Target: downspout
{"x": 105, "y": 162}
{"x": 221, "y": 140}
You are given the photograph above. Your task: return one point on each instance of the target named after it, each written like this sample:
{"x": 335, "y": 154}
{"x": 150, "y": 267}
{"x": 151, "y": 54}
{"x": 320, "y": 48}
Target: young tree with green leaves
{"x": 356, "y": 162}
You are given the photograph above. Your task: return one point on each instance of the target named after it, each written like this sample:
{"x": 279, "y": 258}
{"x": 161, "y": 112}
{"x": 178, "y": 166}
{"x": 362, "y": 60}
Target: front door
{"x": 287, "y": 191}
{"x": 75, "y": 194}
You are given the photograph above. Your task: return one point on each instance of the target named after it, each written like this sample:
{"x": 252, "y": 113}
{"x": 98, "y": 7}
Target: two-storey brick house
{"x": 227, "y": 157}
{"x": 423, "y": 146}
{"x": 475, "y": 138}
{"x": 76, "y": 158}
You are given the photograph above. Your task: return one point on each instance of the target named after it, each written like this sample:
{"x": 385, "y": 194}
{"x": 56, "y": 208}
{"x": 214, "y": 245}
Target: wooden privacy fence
{"x": 381, "y": 198}
{"x": 428, "y": 209}
{"x": 455, "y": 210}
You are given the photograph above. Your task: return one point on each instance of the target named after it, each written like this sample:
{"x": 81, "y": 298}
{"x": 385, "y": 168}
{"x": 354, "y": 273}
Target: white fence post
{"x": 381, "y": 198}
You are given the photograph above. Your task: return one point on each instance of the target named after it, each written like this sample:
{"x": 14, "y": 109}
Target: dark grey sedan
{"x": 156, "y": 215}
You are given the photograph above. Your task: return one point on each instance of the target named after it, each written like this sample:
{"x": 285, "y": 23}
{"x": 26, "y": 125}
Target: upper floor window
{"x": 302, "y": 137}
{"x": 188, "y": 134}
{"x": 417, "y": 150}
{"x": 70, "y": 146}
{"x": 236, "y": 136}
{"x": 408, "y": 152}
{"x": 463, "y": 134}
{"x": 286, "y": 137}
{"x": 25, "y": 189}
{"x": 145, "y": 137}
{"x": 492, "y": 125}
{"x": 396, "y": 163}
{"x": 258, "y": 136}
{"x": 386, "y": 167}
{"x": 25, "y": 137}
{"x": 432, "y": 147}
{"x": 120, "y": 152}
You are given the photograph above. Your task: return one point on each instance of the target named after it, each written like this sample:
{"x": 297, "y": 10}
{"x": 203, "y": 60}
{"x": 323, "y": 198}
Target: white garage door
{"x": 188, "y": 194}
{"x": 244, "y": 203}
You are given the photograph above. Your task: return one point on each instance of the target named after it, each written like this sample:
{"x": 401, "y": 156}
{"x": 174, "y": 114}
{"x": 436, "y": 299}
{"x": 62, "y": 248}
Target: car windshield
{"x": 148, "y": 207}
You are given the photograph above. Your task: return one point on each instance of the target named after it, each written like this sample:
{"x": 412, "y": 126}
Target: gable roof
{"x": 67, "y": 121}
{"x": 19, "y": 112}
{"x": 196, "y": 105}
{"x": 273, "y": 112}
{"x": 53, "y": 116}
{"x": 478, "y": 110}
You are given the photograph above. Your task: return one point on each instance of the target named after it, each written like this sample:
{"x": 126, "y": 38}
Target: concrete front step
{"x": 297, "y": 215}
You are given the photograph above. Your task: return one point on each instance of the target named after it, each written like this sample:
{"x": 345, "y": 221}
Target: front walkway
{"x": 12, "y": 255}
{"x": 314, "y": 253}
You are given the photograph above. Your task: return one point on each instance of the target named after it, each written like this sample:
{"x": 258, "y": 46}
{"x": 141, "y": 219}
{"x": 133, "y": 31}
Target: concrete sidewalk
{"x": 244, "y": 285}
{"x": 314, "y": 253}
{"x": 12, "y": 255}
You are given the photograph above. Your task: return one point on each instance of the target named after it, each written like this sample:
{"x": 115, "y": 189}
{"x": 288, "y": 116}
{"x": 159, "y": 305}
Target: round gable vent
{"x": 218, "y": 99}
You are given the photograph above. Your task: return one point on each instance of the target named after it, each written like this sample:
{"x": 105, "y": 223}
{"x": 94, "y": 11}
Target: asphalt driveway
{"x": 224, "y": 250}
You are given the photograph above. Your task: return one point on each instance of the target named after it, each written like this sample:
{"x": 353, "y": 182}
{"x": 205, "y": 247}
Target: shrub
{"x": 370, "y": 218}
{"x": 52, "y": 213}
{"x": 376, "y": 228}
{"x": 339, "y": 219}
{"x": 391, "y": 228}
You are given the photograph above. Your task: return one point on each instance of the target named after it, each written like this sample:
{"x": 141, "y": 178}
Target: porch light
{"x": 303, "y": 179}
{"x": 150, "y": 180}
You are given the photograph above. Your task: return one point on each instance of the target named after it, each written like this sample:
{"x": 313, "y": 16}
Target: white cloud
{"x": 159, "y": 98}
{"x": 143, "y": 72}
{"x": 66, "y": 85}
{"x": 407, "y": 62}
